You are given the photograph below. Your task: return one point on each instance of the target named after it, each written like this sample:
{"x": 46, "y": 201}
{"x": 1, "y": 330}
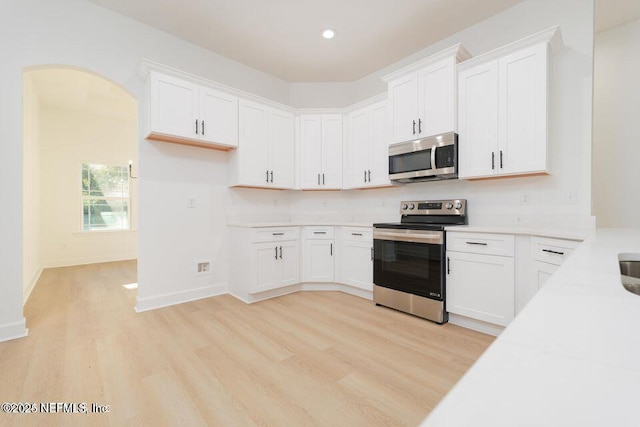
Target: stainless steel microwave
{"x": 426, "y": 159}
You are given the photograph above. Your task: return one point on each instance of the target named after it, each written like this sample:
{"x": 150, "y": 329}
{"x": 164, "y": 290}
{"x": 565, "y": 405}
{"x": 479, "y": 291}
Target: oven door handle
{"x": 412, "y": 236}
{"x": 433, "y": 158}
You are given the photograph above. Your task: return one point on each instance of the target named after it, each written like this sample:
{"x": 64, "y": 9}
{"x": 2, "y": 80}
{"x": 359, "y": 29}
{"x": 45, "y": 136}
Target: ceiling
{"x": 283, "y": 37}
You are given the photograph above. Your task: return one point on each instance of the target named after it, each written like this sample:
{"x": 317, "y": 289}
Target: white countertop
{"x": 553, "y": 232}
{"x": 570, "y": 358}
{"x": 300, "y": 224}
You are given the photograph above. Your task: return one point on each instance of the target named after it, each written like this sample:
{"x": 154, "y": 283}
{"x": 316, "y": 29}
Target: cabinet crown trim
{"x": 552, "y": 36}
{"x": 456, "y": 50}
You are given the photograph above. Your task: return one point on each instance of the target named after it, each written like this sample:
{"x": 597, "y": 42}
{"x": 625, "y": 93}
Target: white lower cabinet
{"x": 481, "y": 276}
{"x": 319, "y": 254}
{"x": 355, "y": 261}
{"x": 546, "y": 257}
{"x": 263, "y": 259}
{"x": 277, "y": 264}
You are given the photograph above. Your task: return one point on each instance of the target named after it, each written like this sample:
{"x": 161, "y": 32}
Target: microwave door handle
{"x": 433, "y": 158}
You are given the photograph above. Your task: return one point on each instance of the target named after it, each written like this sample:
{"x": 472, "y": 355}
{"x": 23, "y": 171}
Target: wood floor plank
{"x": 304, "y": 359}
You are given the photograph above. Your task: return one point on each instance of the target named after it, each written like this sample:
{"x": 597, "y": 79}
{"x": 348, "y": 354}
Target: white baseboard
{"x": 32, "y": 283}
{"x": 476, "y": 325}
{"x": 164, "y": 300}
{"x": 11, "y": 331}
{"x": 68, "y": 262}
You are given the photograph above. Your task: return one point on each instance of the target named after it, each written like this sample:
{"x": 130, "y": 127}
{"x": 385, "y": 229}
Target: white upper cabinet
{"x": 367, "y": 162}
{"x": 321, "y": 151}
{"x": 422, "y": 96}
{"x": 502, "y": 109}
{"x": 185, "y": 112}
{"x": 266, "y": 153}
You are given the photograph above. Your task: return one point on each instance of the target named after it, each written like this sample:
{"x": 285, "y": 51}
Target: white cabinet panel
{"x": 481, "y": 287}
{"x": 403, "y": 108}
{"x": 368, "y": 148}
{"x": 478, "y": 120}
{"x": 523, "y": 111}
{"x": 254, "y": 140}
{"x": 321, "y": 151}
{"x": 174, "y": 106}
{"x": 319, "y": 266}
{"x": 436, "y": 98}
{"x": 481, "y": 243}
{"x": 218, "y": 117}
{"x": 266, "y": 277}
{"x": 289, "y": 263}
{"x": 282, "y": 149}
{"x": 357, "y": 264}
{"x": 332, "y": 151}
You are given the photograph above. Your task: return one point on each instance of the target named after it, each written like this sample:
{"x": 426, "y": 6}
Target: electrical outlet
{"x": 525, "y": 198}
{"x": 203, "y": 268}
{"x": 571, "y": 197}
{"x": 191, "y": 202}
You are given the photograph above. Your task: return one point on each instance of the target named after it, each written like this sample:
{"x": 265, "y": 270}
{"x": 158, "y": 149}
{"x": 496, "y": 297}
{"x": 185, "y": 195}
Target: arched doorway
{"x": 80, "y": 201}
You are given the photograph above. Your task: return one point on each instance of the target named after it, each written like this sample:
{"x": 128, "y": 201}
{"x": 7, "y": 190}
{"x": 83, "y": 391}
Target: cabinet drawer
{"x": 358, "y": 234}
{"x": 276, "y": 234}
{"x": 318, "y": 232}
{"x": 552, "y": 251}
{"x": 480, "y": 243}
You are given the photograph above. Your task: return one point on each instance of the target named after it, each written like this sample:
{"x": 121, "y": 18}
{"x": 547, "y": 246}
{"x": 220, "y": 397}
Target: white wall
{"x": 68, "y": 138}
{"x": 616, "y": 127}
{"x": 32, "y": 263}
{"x": 81, "y": 34}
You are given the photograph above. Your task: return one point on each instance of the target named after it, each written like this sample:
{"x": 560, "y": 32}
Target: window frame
{"x": 83, "y": 198}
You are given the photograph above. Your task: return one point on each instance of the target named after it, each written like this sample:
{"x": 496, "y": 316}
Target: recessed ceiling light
{"x": 328, "y": 33}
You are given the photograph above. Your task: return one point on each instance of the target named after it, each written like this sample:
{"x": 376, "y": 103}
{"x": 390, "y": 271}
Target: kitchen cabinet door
{"x": 437, "y": 91}
{"x": 523, "y": 111}
{"x": 378, "y": 145}
{"x": 319, "y": 265}
{"x": 218, "y": 117}
{"x": 311, "y": 151}
{"x": 332, "y": 151}
{"x": 254, "y": 140}
{"x": 403, "y": 108}
{"x": 359, "y": 149}
{"x": 357, "y": 266}
{"x": 174, "y": 107}
{"x": 265, "y": 256}
{"x": 481, "y": 287}
{"x": 478, "y": 121}
{"x": 288, "y": 263}
{"x": 282, "y": 149}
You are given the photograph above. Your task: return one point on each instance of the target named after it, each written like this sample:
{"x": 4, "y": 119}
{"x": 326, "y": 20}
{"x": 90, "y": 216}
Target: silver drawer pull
{"x": 319, "y": 232}
{"x": 278, "y": 234}
{"x": 553, "y": 252}
{"x": 356, "y": 234}
{"x": 476, "y": 243}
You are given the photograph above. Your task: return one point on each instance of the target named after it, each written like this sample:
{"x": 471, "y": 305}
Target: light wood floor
{"x": 305, "y": 359}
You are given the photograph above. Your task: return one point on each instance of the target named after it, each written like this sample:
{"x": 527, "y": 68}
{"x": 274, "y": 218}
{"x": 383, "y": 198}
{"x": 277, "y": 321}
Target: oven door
{"x": 409, "y": 261}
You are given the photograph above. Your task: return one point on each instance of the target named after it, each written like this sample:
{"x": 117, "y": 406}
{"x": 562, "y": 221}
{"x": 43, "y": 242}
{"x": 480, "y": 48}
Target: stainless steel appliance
{"x": 409, "y": 267}
{"x": 426, "y": 159}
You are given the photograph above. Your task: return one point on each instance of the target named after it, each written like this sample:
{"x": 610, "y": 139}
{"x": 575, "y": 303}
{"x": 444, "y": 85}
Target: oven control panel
{"x": 434, "y": 207}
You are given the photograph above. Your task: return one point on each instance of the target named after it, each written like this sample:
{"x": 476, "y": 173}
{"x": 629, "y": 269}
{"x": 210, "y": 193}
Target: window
{"x": 105, "y": 197}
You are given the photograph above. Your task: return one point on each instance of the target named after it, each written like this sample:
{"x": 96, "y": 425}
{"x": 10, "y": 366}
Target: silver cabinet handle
{"x": 553, "y": 252}
{"x": 319, "y": 232}
{"x": 414, "y": 127}
{"x": 271, "y": 176}
{"x": 365, "y": 176}
{"x": 276, "y": 248}
{"x": 318, "y": 179}
{"x": 267, "y": 176}
{"x": 369, "y": 172}
{"x": 196, "y": 126}
{"x": 372, "y": 254}
{"x": 280, "y": 252}
{"x": 322, "y": 178}
{"x": 476, "y": 243}
{"x": 448, "y": 265}
{"x": 419, "y": 125}
{"x": 493, "y": 160}
{"x": 203, "y": 127}
{"x": 500, "y": 159}
{"x": 277, "y": 234}
{"x": 331, "y": 249}
{"x": 356, "y": 234}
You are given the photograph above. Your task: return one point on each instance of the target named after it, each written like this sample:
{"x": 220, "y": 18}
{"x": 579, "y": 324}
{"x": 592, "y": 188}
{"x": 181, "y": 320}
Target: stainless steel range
{"x": 409, "y": 267}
